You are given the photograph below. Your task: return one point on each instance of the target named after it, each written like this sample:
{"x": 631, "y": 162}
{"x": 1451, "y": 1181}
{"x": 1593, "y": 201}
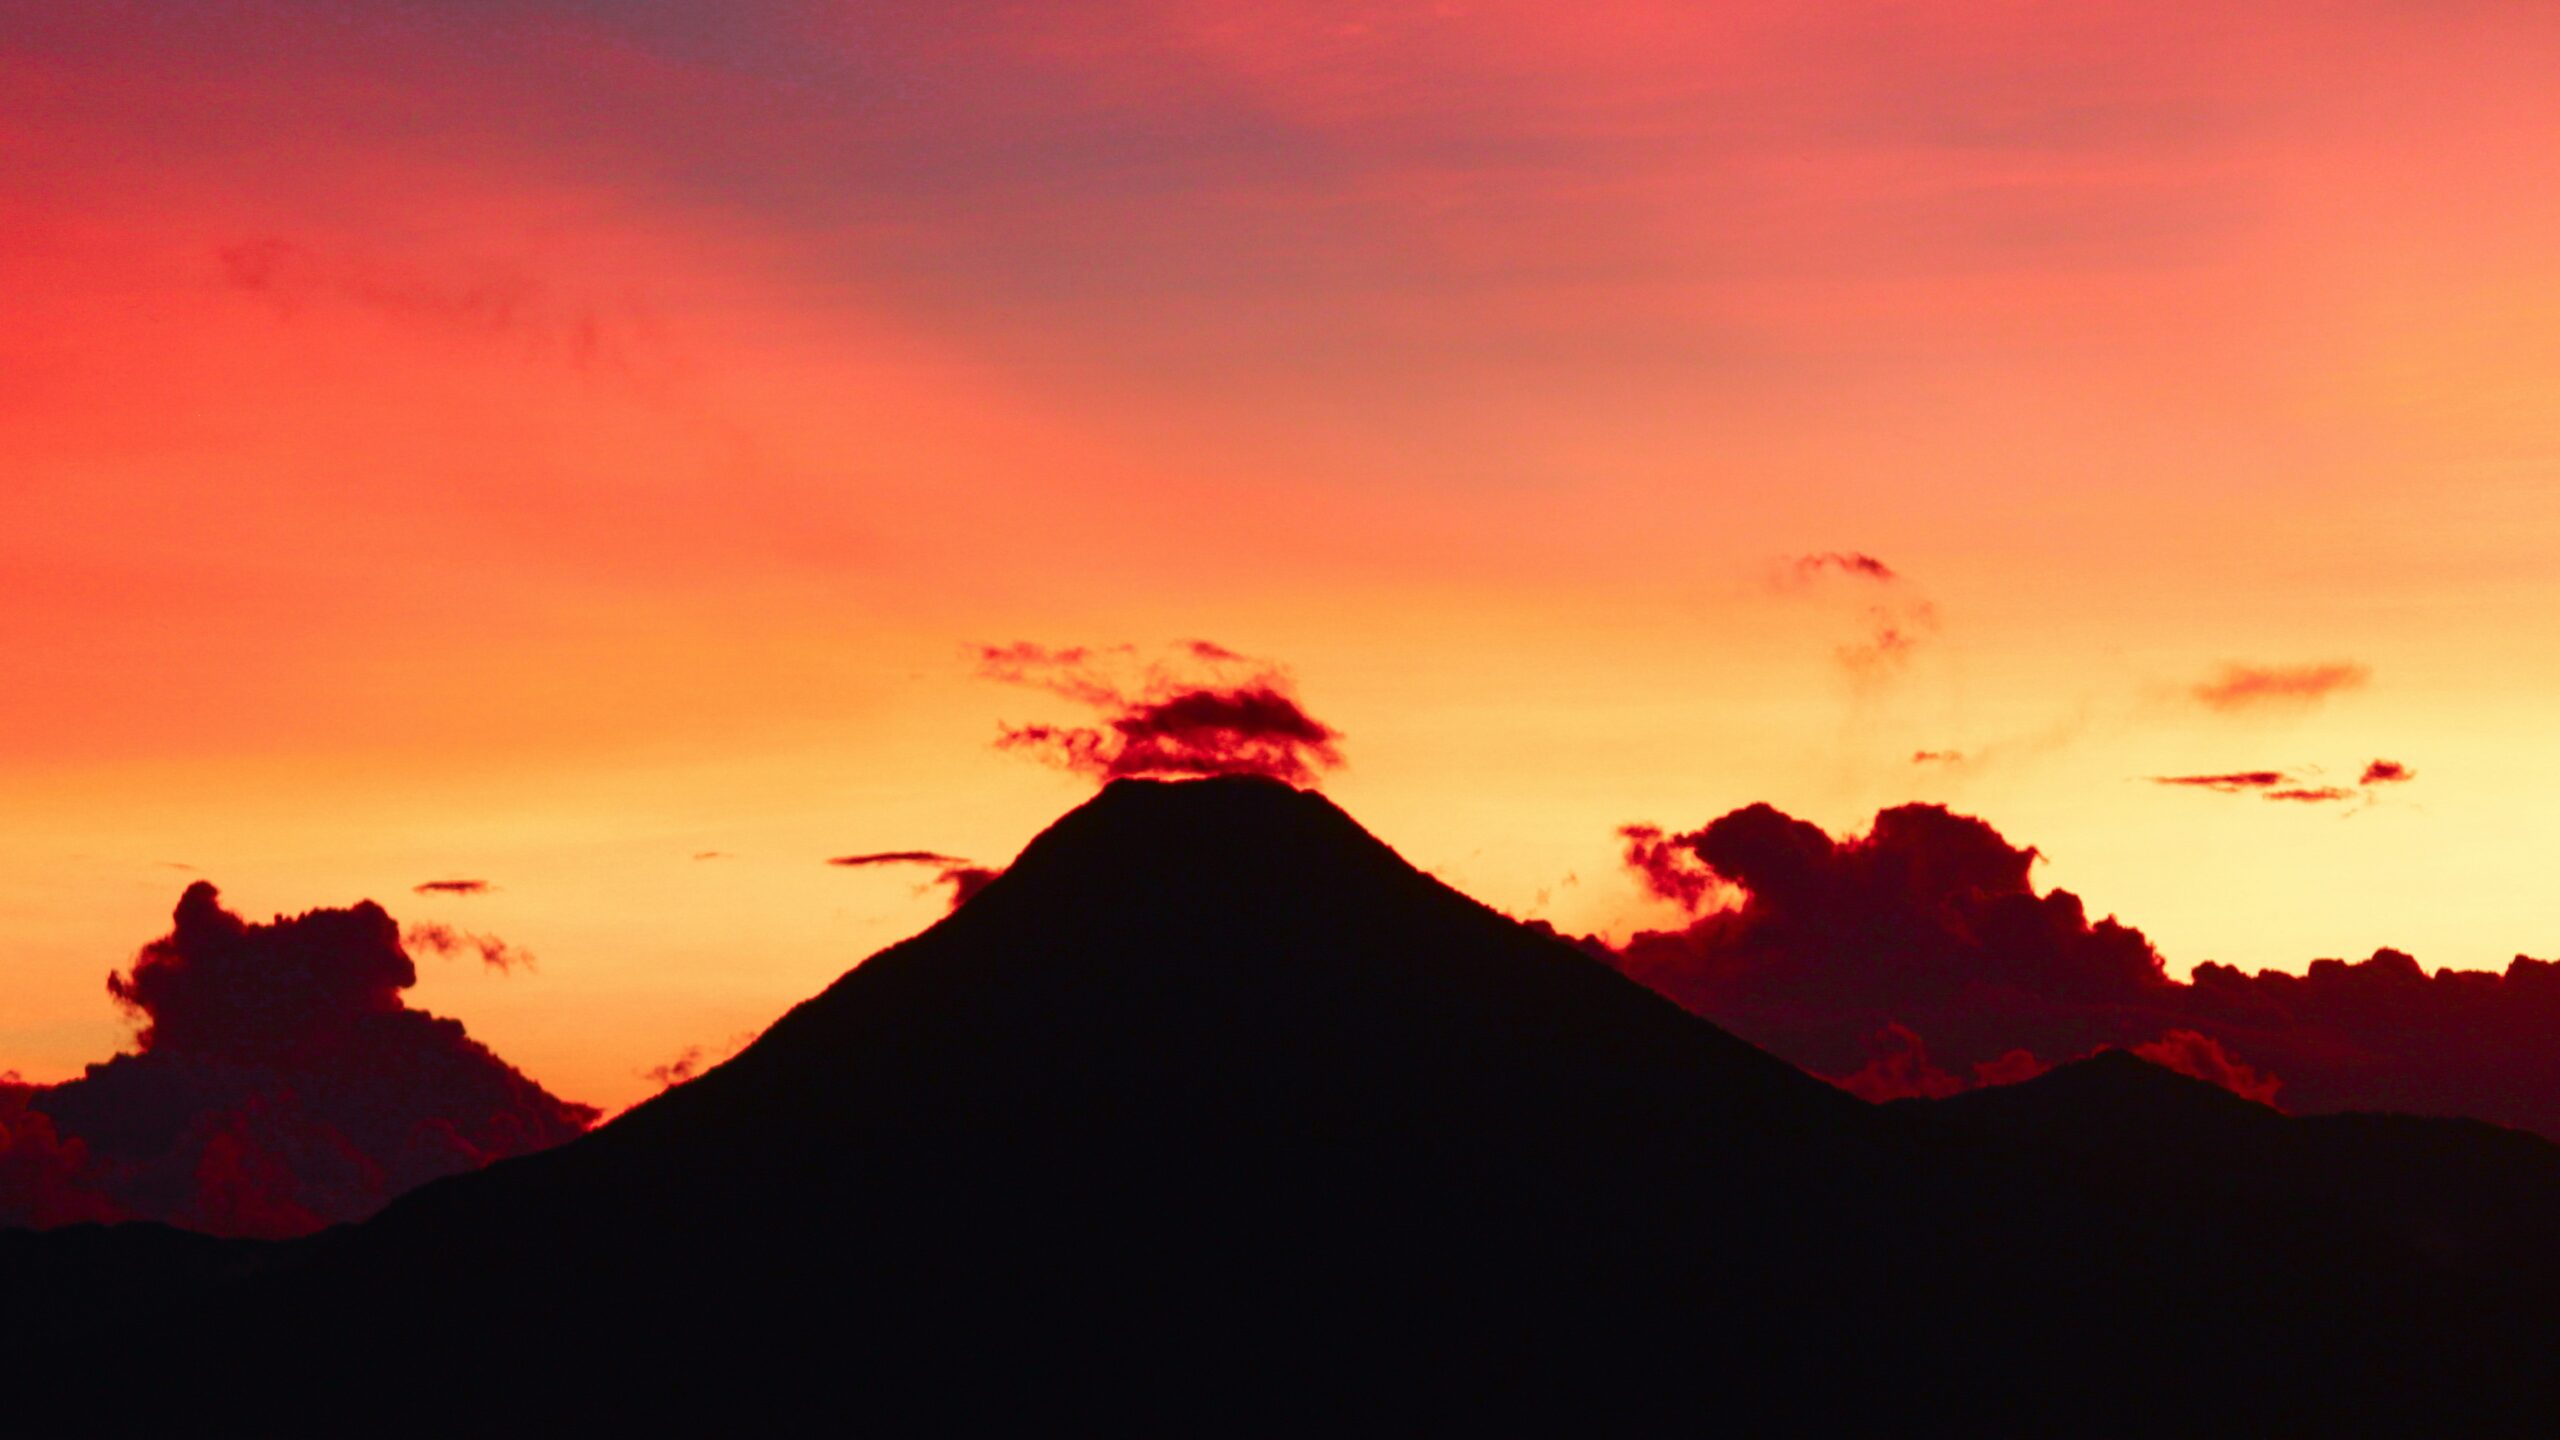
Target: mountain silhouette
{"x": 1213, "y": 1113}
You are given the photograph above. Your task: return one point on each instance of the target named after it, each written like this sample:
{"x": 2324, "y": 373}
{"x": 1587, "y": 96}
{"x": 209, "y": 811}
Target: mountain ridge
{"x": 1214, "y": 1112}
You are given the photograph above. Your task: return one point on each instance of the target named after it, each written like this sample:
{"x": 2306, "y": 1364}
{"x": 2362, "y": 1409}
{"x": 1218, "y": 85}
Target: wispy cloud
{"x": 2239, "y": 687}
{"x": 450, "y": 941}
{"x": 1897, "y": 619}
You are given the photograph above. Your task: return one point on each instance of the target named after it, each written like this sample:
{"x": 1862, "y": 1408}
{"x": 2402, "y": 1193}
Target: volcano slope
{"x": 1213, "y": 1113}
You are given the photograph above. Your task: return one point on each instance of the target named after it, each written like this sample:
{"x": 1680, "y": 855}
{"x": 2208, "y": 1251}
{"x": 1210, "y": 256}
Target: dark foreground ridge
{"x": 1212, "y": 1113}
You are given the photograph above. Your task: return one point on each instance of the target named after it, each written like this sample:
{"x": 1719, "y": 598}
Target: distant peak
{"x": 2117, "y": 1068}
{"x": 2117, "y": 1072}
{"x": 2116, "y": 1060}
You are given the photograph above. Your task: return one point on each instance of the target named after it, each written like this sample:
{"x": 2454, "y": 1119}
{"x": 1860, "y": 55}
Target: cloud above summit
{"x": 1201, "y": 710}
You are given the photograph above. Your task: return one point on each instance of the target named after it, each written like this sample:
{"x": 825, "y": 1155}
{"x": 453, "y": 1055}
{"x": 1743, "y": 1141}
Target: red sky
{"x": 545, "y": 442}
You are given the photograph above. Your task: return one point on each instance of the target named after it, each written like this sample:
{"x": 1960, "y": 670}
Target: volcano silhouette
{"x": 1213, "y": 1113}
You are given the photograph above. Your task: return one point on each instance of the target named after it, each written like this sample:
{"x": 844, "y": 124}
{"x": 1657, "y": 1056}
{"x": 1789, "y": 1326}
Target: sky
{"x": 579, "y": 447}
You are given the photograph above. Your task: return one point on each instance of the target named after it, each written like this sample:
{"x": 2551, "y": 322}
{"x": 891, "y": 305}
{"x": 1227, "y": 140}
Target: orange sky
{"x": 545, "y": 445}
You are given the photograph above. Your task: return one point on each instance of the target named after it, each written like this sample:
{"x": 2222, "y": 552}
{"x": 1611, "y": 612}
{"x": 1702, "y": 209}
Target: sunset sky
{"x": 546, "y": 443}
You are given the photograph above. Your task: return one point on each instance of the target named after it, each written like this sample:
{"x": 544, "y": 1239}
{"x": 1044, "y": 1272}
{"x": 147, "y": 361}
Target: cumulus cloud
{"x": 451, "y": 887}
{"x": 1898, "y": 1068}
{"x": 45, "y": 1180}
{"x": 2387, "y": 772}
{"x": 2238, "y": 687}
{"x": 1667, "y": 865}
{"x": 278, "y": 1083}
{"x": 1210, "y": 711}
{"x": 1921, "y": 958}
{"x": 2191, "y": 1053}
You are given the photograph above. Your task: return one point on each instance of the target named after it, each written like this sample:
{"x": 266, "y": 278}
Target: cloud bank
{"x": 278, "y": 1084}
{"x": 1920, "y": 958}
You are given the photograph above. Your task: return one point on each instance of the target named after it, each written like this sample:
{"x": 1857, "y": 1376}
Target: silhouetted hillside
{"x": 81, "y": 1278}
{"x": 1212, "y": 1113}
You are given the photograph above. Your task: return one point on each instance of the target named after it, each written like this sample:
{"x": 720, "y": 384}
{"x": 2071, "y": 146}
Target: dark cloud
{"x": 1898, "y": 1068}
{"x": 1937, "y": 757}
{"x": 690, "y": 1062}
{"x": 1669, "y": 869}
{"x": 45, "y": 1180}
{"x": 2231, "y": 782}
{"x": 1218, "y": 713}
{"x": 2287, "y": 787}
{"x": 966, "y": 881}
{"x": 1252, "y": 730}
{"x": 278, "y": 1083}
{"x": 448, "y": 942}
{"x": 451, "y": 887}
{"x": 2247, "y": 687}
{"x": 1846, "y": 562}
{"x": 1920, "y": 958}
{"x": 713, "y": 855}
{"x": 963, "y": 878}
